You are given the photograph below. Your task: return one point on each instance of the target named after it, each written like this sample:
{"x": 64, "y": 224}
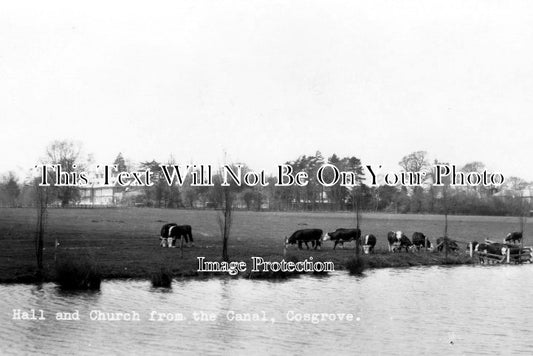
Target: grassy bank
{"x": 124, "y": 243}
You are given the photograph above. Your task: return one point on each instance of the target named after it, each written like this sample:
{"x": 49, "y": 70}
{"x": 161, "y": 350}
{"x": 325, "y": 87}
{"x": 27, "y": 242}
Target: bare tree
{"x": 11, "y": 188}
{"x": 525, "y": 200}
{"x": 478, "y": 167}
{"x": 225, "y": 219}
{"x": 225, "y": 196}
{"x": 171, "y": 196}
{"x": 414, "y": 162}
{"x": 41, "y": 206}
{"x": 446, "y": 207}
{"x": 516, "y": 184}
{"x": 356, "y": 201}
{"x": 65, "y": 153}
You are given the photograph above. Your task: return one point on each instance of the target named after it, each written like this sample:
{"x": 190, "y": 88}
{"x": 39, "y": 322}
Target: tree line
{"x": 428, "y": 198}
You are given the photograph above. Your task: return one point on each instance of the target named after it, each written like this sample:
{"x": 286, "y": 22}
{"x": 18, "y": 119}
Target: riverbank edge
{"x": 368, "y": 262}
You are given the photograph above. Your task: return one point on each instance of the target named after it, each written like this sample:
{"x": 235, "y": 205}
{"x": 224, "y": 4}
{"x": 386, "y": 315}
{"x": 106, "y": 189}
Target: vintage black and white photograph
{"x": 266, "y": 177}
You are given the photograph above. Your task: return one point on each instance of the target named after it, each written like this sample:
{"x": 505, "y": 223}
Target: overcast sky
{"x": 267, "y": 81}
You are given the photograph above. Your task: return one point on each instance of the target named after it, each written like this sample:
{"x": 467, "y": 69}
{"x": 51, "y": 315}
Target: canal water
{"x": 426, "y": 310}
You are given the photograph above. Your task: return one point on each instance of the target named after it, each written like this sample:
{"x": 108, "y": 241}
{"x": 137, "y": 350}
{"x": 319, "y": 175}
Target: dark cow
{"x": 174, "y": 231}
{"x": 420, "y": 241}
{"x": 482, "y": 247}
{"x": 304, "y": 236}
{"x": 496, "y": 248}
{"x": 513, "y": 250}
{"x": 340, "y": 236}
{"x": 369, "y": 241}
{"x": 405, "y": 243}
{"x": 513, "y": 237}
{"x": 452, "y": 245}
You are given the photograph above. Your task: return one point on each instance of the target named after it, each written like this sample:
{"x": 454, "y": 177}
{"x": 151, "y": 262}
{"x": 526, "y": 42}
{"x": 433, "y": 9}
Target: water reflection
{"x": 467, "y": 309}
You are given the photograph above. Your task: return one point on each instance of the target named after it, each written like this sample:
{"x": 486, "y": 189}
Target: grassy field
{"x": 124, "y": 243}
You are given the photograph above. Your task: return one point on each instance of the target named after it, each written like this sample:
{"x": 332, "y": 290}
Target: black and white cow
{"x": 393, "y": 242}
{"x": 513, "y": 237}
{"x": 304, "y": 236}
{"x": 472, "y": 245}
{"x": 420, "y": 241}
{"x": 369, "y": 242}
{"x": 340, "y": 236}
{"x": 452, "y": 245}
{"x": 481, "y": 247}
{"x": 499, "y": 249}
{"x": 398, "y": 240}
{"x": 172, "y": 231}
{"x": 495, "y": 248}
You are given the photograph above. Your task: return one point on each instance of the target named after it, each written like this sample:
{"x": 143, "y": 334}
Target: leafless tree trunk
{"x": 356, "y": 206}
{"x": 446, "y": 235}
{"x": 445, "y": 196}
{"x": 525, "y": 210}
{"x": 225, "y": 220}
{"x": 41, "y": 205}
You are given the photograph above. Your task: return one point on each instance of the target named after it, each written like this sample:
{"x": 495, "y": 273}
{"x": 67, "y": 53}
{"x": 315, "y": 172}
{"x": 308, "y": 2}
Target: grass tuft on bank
{"x": 162, "y": 278}
{"x": 74, "y": 274}
{"x": 356, "y": 265}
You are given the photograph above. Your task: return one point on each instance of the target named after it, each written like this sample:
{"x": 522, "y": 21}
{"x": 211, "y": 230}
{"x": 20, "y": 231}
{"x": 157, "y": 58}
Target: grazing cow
{"x": 404, "y": 241}
{"x": 496, "y": 248}
{"x": 499, "y": 249}
{"x": 171, "y": 232}
{"x": 304, "y": 236}
{"x": 166, "y": 241}
{"x": 472, "y": 245}
{"x": 482, "y": 247}
{"x": 513, "y": 237}
{"x": 369, "y": 241}
{"x": 420, "y": 241}
{"x": 340, "y": 236}
{"x": 398, "y": 240}
{"x": 452, "y": 245}
{"x": 393, "y": 242}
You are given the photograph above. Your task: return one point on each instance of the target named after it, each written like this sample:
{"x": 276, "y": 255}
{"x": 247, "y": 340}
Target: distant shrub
{"x": 162, "y": 278}
{"x": 78, "y": 274}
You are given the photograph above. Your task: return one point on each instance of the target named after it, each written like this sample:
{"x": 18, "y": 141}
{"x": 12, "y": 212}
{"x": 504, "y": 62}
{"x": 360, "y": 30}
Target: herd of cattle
{"x": 397, "y": 241}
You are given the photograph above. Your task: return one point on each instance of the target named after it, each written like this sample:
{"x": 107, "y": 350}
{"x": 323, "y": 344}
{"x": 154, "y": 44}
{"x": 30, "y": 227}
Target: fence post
{"x": 55, "y": 249}
{"x": 508, "y": 255}
{"x": 471, "y": 248}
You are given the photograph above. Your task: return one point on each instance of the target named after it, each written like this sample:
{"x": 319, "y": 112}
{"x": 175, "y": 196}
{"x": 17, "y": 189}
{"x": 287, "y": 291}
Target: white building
{"x": 100, "y": 194}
